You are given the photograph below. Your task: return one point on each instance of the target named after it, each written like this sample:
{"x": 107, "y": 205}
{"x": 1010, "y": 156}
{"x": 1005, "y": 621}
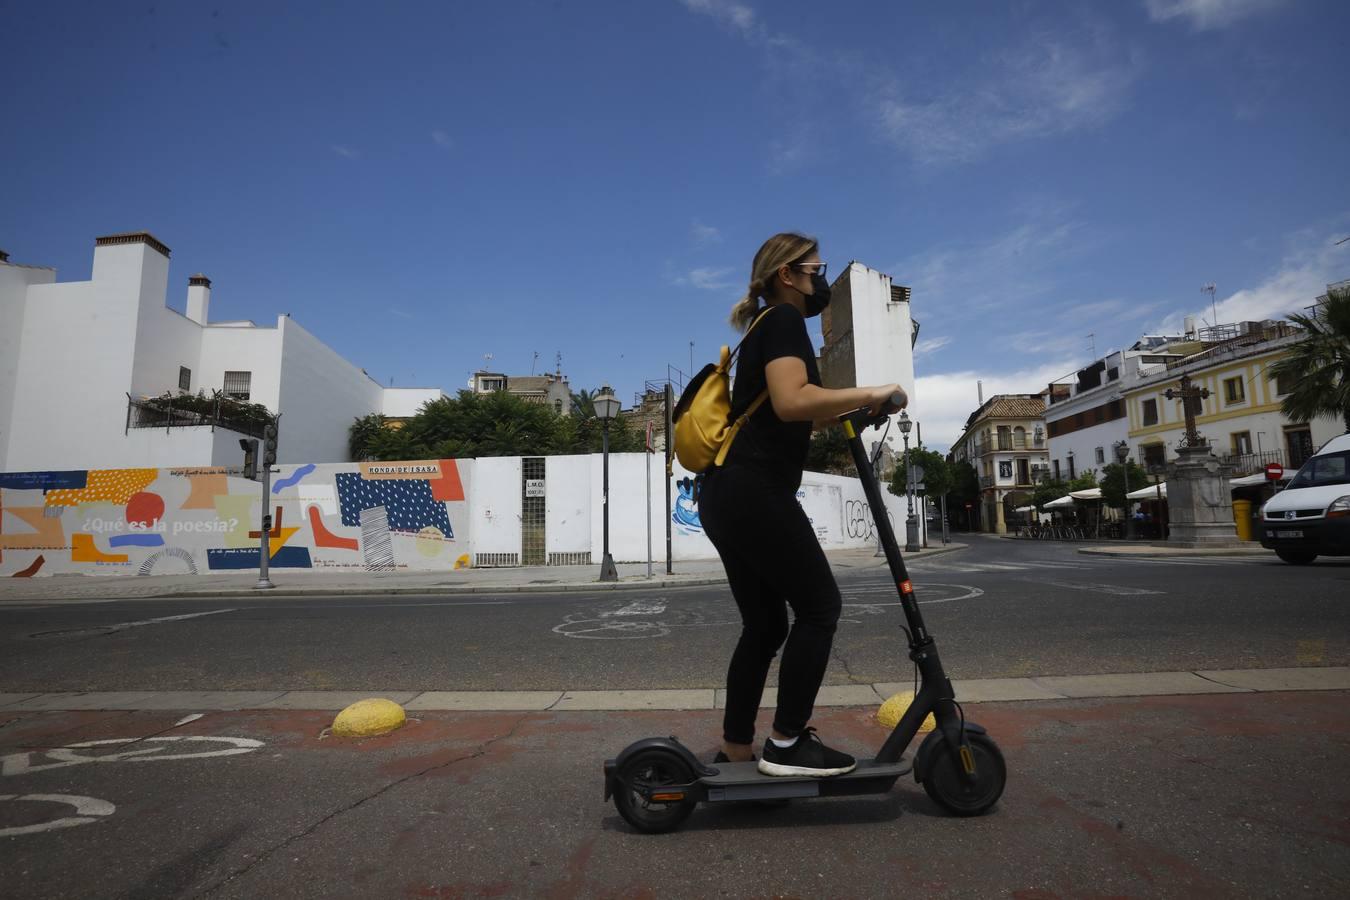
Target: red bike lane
{"x": 1180, "y": 796}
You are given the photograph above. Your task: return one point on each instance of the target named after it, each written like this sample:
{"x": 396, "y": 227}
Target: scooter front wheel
{"x": 948, "y": 788}
{"x": 639, "y": 798}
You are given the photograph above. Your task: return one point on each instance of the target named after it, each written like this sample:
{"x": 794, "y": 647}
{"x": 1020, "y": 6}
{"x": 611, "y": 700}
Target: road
{"x": 1236, "y": 794}
{"x": 1000, "y": 608}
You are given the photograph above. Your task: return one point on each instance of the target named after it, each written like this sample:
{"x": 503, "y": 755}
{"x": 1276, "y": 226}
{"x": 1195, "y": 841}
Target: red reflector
{"x": 667, "y": 797}
{"x": 906, "y": 587}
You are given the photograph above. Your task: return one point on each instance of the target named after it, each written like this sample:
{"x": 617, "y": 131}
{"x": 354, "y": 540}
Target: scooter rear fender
{"x": 667, "y": 744}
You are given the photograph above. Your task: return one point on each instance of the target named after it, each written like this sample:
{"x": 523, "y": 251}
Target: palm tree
{"x": 583, "y": 403}
{"x": 1318, "y": 366}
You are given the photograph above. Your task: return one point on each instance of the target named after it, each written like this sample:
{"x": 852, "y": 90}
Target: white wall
{"x": 75, "y": 364}
{"x": 881, "y": 342}
{"x": 227, "y": 348}
{"x": 321, "y": 393}
{"x": 14, "y": 282}
{"x": 495, "y": 505}
{"x": 407, "y": 402}
{"x": 567, "y": 505}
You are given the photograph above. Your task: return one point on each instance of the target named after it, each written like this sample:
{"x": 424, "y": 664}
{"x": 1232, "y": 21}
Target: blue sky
{"x": 423, "y": 184}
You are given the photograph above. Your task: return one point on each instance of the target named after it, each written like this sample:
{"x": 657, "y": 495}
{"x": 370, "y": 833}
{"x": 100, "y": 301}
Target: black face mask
{"x": 819, "y": 298}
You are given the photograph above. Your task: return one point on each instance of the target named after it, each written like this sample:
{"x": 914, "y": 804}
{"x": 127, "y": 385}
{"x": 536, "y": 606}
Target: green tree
{"x": 1318, "y": 365}
{"x": 938, "y": 477}
{"x": 965, "y": 489}
{"x": 829, "y": 452}
{"x": 363, "y": 433}
{"x": 1083, "y": 481}
{"x": 583, "y": 403}
{"x": 1047, "y": 490}
{"x": 1113, "y": 483}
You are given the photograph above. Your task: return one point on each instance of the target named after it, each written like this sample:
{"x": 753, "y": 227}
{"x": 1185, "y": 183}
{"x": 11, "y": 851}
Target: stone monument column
{"x": 1200, "y": 500}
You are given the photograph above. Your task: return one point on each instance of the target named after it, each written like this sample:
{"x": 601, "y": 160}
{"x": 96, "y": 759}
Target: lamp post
{"x": 606, "y": 408}
{"x": 1122, "y": 456}
{"x": 911, "y": 522}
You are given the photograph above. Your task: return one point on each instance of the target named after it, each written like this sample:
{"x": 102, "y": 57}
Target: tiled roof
{"x": 516, "y": 383}
{"x": 1009, "y": 406}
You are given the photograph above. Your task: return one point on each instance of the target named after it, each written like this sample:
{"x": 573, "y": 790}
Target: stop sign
{"x": 1274, "y": 471}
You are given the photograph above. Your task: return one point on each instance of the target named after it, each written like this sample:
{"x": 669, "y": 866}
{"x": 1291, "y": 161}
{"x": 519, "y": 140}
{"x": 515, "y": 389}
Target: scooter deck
{"x": 743, "y": 781}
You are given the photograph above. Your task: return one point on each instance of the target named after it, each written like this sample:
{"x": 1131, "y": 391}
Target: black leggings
{"x": 773, "y": 561}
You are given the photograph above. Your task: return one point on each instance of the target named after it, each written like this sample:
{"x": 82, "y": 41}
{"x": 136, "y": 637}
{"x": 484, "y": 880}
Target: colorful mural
{"x": 369, "y": 516}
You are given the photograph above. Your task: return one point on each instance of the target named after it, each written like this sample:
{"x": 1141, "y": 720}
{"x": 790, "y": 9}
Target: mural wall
{"x": 374, "y": 517}
{"x": 359, "y": 516}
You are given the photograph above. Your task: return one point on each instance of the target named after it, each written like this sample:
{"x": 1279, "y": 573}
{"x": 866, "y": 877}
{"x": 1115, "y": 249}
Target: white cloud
{"x": 931, "y": 345}
{"x": 1304, "y": 273}
{"x": 346, "y": 152}
{"x": 441, "y": 139}
{"x": 1205, "y": 15}
{"x": 1054, "y": 86}
{"x": 735, "y": 15}
{"x": 704, "y": 234}
{"x": 707, "y": 279}
{"x": 942, "y": 403}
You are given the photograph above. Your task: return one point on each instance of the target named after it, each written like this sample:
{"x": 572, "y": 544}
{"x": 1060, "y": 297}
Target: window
{"x": 1327, "y": 469}
{"x": 1233, "y": 391}
{"x": 1151, "y": 412}
{"x": 1153, "y": 455}
{"x": 237, "y": 385}
{"x": 1242, "y": 443}
{"x": 492, "y": 384}
{"x": 184, "y": 378}
{"x": 1284, "y": 385}
{"x": 1101, "y": 455}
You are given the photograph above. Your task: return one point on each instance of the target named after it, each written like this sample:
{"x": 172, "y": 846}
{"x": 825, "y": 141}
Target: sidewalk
{"x": 309, "y": 583}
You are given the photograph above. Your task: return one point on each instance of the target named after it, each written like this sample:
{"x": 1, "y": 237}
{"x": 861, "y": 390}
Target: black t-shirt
{"x": 765, "y": 441}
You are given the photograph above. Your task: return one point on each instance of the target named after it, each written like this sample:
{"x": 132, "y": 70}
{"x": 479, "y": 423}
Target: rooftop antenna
{"x": 535, "y": 362}
{"x": 558, "y": 362}
{"x": 487, "y": 362}
{"x": 1092, "y": 344}
{"x": 1208, "y": 288}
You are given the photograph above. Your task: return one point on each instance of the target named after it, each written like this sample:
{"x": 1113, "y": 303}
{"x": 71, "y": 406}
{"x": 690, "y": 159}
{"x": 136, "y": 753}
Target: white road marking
{"x": 186, "y": 719}
{"x": 21, "y": 763}
{"x": 639, "y": 608}
{"x": 1116, "y": 589}
{"x": 88, "y": 809}
{"x": 122, "y": 626}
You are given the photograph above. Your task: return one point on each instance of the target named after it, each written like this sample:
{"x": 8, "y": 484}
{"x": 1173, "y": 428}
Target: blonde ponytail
{"x": 778, "y": 251}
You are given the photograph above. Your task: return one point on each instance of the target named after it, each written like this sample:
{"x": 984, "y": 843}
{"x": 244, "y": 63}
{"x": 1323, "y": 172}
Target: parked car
{"x": 1311, "y": 517}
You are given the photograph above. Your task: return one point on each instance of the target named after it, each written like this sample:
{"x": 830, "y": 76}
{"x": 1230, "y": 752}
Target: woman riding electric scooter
{"x": 749, "y": 510}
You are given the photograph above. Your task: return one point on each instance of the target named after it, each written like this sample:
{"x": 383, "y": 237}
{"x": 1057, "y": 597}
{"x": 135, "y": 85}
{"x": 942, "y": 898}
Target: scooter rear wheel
{"x": 946, "y": 786}
{"x": 652, "y": 769}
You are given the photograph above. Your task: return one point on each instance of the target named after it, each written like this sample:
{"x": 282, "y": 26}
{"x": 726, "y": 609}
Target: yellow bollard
{"x": 1242, "y": 518}
{"x": 891, "y": 711}
{"x": 368, "y": 718}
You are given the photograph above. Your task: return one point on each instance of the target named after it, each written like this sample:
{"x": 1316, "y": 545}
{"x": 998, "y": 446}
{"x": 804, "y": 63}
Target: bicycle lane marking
{"x": 21, "y": 763}
{"x": 87, "y": 809}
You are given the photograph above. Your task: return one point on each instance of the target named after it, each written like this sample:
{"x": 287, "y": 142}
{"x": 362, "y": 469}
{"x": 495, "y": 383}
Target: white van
{"x": 1311, "y": 517}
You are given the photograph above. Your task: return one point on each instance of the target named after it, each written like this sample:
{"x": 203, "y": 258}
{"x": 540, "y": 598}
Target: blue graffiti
{"x": 685, "y": 513}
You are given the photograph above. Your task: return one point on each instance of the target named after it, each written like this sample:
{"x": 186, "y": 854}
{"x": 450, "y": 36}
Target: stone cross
{"x": 1190, "y": 397}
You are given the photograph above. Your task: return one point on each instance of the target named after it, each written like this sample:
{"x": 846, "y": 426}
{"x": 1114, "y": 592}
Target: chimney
{"x": 198, "y": 298}
{"x": 979, "y": 391}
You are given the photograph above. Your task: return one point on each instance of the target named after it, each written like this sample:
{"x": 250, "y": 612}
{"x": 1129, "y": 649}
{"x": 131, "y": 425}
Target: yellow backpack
{"x": 703, "y": 427}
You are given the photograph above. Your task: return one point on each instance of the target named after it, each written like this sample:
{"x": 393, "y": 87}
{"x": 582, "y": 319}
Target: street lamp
{"x": 606, "y": 408}
{"x": 911, "y": 522}
{"x": 1122, "y": 456}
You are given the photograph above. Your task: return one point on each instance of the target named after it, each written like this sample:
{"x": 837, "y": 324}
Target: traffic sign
{"x": 1274, "y": 471}
{"x": 968, "y": 506}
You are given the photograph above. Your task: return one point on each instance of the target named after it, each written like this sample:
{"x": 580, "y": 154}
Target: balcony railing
{"x": 187, "y": 412}
{"x": 1009, "y": 442}
{"x": 1251, "y": 463}
{"x": 986, "y": 481}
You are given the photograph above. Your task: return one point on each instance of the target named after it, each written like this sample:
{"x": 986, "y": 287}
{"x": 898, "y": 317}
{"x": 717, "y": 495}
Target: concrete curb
{"x": 981, "y": 690}
{"x": 1146, "y": 553}
{"x": 632, "y": 583}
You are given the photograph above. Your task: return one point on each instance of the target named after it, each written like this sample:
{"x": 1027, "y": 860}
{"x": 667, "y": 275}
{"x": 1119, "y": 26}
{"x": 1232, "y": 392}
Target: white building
{"x": 869, "y": 337}
{"x": 75, "y": 355}
{"x": 1085, "y": 415}
{"x": 1005, "y": 441}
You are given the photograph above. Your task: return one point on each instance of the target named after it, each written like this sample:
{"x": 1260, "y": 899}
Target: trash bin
{"x": 1242, "y": 518}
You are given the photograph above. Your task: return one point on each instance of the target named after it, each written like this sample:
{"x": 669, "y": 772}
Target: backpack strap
{"x": 759, "y": 318}
{"x": 736, "y": 427}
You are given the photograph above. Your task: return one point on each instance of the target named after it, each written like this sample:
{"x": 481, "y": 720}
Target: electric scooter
{"x": 656, "y": 782}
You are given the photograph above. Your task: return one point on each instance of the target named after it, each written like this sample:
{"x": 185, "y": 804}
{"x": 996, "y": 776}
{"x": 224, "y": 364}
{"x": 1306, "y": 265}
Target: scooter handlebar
{"x": 864, "y": 418}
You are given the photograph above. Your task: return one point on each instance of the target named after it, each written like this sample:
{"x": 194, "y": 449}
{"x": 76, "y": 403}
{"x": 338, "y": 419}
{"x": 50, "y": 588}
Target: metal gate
{"x": 532, "y": 481}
